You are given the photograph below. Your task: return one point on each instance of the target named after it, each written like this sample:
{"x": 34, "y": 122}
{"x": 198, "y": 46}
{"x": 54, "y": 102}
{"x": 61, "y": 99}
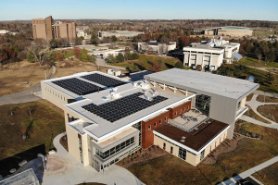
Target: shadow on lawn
{"x": 32, "y": 159}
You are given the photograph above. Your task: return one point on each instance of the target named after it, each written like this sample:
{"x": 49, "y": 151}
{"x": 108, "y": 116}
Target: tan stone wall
{"x": 54, "y": 96}
{"x": 190, "y": 157}
{"x": 73, "y": 142}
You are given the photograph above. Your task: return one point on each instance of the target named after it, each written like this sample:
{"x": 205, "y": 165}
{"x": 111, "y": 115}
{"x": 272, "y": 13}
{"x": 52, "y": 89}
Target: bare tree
{"x": 38, "y": 49}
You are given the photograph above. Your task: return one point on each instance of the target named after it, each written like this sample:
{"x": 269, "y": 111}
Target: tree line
{"x": 261, "y": 50}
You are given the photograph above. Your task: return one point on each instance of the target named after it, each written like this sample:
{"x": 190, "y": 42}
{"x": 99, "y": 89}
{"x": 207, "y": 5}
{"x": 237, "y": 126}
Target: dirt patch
{"x": 55, "y": 164}
{"x": 269, "y": 111}
{"x": 64, "y": 142}
{"x": 142, "y": 155}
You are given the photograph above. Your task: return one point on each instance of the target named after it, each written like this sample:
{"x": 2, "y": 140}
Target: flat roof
{"x": 102, "y": 127}
{"x": 203, "y": 81}
{"x": 91, "y": 81}
{"x": 195, "y": 139}
{"x": 27, "y": 177}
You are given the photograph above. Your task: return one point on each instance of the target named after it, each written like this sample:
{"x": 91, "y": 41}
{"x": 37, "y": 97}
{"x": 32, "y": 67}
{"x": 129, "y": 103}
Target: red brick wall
{"x": 148, "y": 126}
{"x": 179, "y": 110}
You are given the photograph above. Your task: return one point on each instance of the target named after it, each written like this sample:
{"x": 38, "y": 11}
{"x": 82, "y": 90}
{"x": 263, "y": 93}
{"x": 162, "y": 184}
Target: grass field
{"x": 171, "y": 170}
{"x": 256, "y": 63}
{"x": 269, "y": 111}
{"x": 268, "y": 176}
{"x": 39, "y": 121}
{"x": 151, "y": 63}
{"x": 252, "y": 114}
{"x": 18, "y": 76}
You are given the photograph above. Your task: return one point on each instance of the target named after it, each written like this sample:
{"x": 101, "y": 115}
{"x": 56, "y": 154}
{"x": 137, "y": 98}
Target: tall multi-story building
{"x": 186, "y": 113}
{"x": 64, "y": 30}
{"x": 46, "y": 29}
{"x": 211, "y": 55}
{"x": 42, "y": 28}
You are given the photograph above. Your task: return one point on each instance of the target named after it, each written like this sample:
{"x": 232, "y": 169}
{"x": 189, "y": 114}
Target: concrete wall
{"x": 54, "y": 96}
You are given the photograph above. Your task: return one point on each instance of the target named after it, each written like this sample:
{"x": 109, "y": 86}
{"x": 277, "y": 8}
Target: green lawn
{"x": 150, "y": 62}
{"x": 170, "y": 170}
{"x": 247, "y": 61}
{"x": 40, "y": 120}
{"x": 268, "y": 81}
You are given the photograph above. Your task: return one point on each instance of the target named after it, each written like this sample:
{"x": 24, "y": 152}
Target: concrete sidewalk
{"x": 28, "y": 95}
{"x": 259, "y": 167}
{"x": 75, "y": 173}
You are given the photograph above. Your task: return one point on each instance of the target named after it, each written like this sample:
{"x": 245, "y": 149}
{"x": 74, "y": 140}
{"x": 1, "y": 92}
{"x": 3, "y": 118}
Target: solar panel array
{"x": 117, "y": 109}
{"x": 77, "y": 86}
{"x": 103, "y": 80}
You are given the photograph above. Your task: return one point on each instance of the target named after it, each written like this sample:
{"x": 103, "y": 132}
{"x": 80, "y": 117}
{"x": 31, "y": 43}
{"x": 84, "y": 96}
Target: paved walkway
{"x": 259, "y": 167}
{"x": 102, "y": 63}
{"x": 21, "y": 97}
{"x": 254, "y": 104}
{"x": 76, "y": 173}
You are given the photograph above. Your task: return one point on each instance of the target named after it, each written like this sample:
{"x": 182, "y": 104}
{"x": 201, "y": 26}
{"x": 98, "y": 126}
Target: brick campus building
{"x": 47, "y": 29}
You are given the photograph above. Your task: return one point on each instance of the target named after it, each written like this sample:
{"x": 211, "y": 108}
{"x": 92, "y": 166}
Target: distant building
{"x": 42, "y": 28}
{"x": 4, "y": 32}
{"x": 232, "y": 31}
{"x": 82, "y": 32}
{"x": 46, "y": 29}
{"x": 64, "y": 30}
{"x": 156, "y": 47}
{"x": 211, "y": 55}
{"x": 121, "y": 34}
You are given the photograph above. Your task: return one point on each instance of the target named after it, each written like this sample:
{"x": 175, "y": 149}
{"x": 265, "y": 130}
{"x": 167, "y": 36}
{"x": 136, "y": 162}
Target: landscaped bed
{"x": 267, "y": 99}
{"x": 252, "y": 114}
{"x": 27, "y": 125}
{"x": 170, "y": 170}
{"x": 269, "y": 111}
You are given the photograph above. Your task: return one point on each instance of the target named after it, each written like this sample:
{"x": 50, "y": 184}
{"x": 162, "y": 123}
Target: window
{"x": 171, "y": 150}
{"x": 164, "y": 146}
{"x": 182, "y": 153}
{"x": 115, "y": 149}
{"x": 155, "y": 124}
{"x": 149, "y": 127}
{"x": 202, "y": 155}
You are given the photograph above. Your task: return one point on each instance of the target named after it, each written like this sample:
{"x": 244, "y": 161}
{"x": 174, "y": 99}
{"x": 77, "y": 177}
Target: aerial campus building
{"x": 186, "y": 113}
{"x": 211, "y": 55}
{"x": 47, "y": 29}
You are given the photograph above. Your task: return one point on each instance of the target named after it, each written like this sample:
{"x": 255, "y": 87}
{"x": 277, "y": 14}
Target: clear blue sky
{"x": 140, "y": 9}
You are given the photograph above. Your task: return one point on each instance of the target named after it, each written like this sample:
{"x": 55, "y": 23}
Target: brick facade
{"x": 148, "y": 126}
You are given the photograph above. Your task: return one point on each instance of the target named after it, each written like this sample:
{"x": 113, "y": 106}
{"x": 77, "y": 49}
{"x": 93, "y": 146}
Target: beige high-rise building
{"x": 42, "y": 28}
{"x": 46, "y": 29}
{"x": 64, "y": 30}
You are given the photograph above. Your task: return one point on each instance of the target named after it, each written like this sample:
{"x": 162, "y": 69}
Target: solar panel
{"x": 117, "y": 109}
{"x": 77, "y": 86}
{"x": 103, "y": 80}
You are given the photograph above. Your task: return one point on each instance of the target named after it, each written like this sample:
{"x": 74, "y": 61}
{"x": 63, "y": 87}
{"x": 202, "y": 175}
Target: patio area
{"x": 189, "y": 120}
